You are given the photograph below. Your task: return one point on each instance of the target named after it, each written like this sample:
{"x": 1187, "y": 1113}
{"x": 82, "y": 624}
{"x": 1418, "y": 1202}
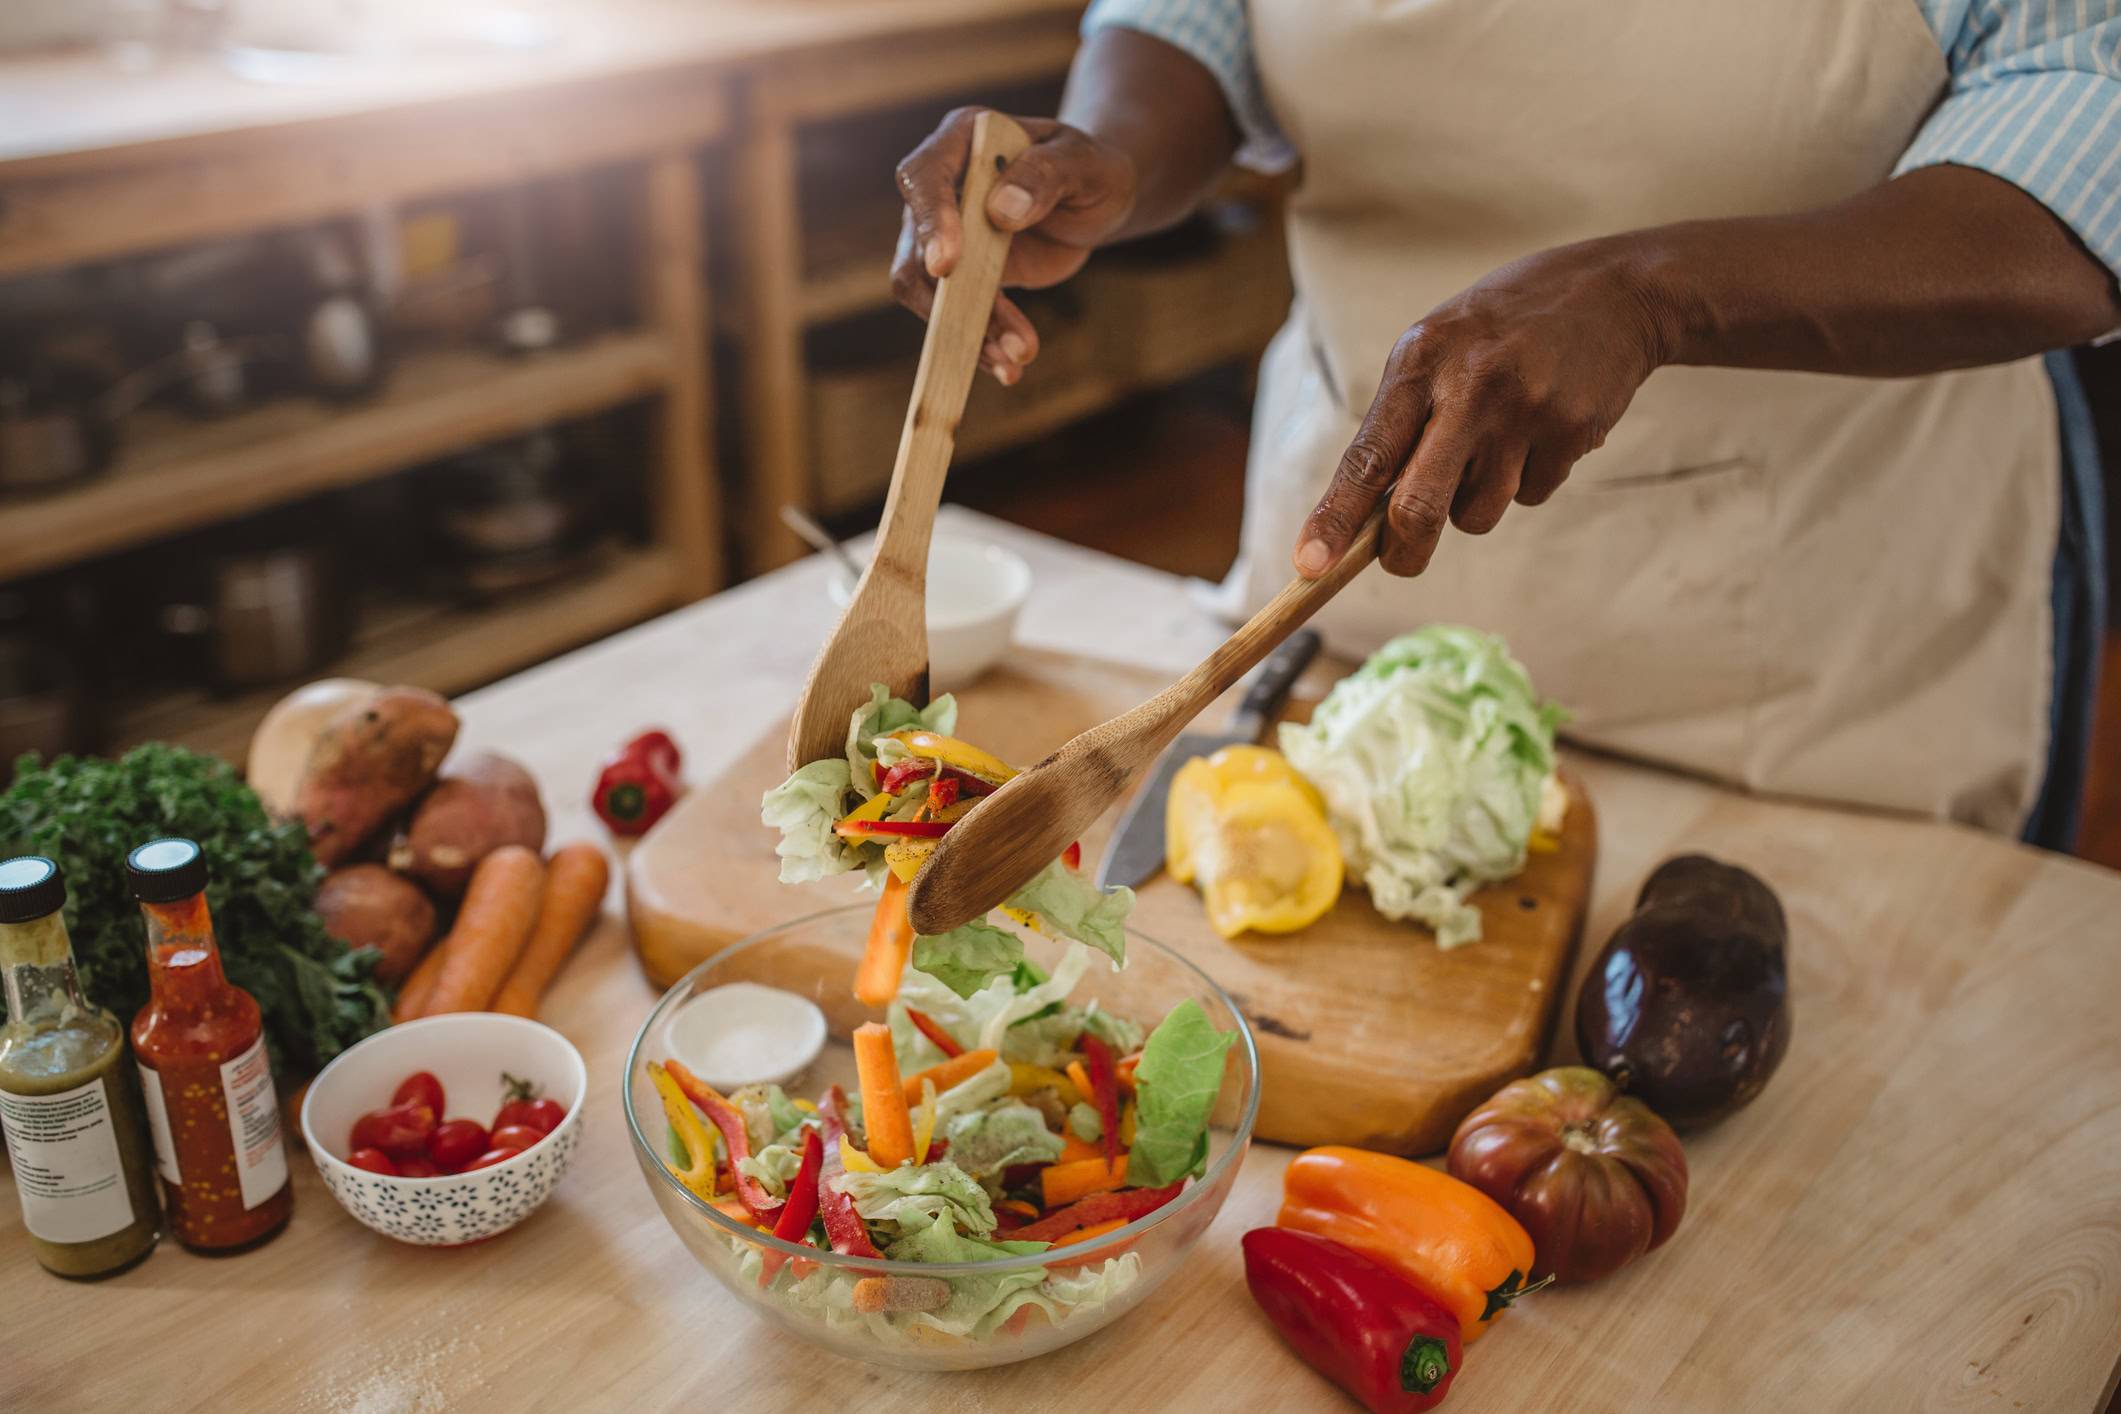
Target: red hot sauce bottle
{"x": 204, "y": 1071}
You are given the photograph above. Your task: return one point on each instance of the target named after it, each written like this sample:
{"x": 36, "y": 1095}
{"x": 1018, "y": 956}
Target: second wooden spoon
{"x": 1012, "y": 834}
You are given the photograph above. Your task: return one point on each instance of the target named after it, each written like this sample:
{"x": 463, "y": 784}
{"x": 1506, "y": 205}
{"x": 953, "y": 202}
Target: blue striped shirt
{"x": 2034, "y": 95}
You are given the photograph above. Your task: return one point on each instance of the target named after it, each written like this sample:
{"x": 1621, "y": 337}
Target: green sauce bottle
{"x": 75, "y": 1130}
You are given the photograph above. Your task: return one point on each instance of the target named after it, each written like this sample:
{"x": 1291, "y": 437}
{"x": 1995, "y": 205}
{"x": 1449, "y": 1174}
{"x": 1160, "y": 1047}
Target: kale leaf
{"x": 87, "y": 813}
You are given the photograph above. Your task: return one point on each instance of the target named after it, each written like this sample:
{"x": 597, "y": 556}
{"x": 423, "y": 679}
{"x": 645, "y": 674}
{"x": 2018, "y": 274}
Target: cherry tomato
{"x": 516, "y": 1136}
{"x": 420, "y": 1088}
{"x": 456, "y": 1143}
{"x": 544, "y": 1115}
{"x": 491, "y": 1157}
{"x": 374, "y": 1160}
{"x": 417, "y": 1166}
{"x": 397, "y": 1131}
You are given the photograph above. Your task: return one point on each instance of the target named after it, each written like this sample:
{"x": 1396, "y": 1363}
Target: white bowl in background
{"x": 976, "y": 589}
{"x": 467, "y": 1052}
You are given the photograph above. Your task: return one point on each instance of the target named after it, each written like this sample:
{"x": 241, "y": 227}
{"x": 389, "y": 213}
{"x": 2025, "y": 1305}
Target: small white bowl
{"x": 976, "y": 589}
{"x": 743, "y": 1033}
{"x": 467, "y": 1052}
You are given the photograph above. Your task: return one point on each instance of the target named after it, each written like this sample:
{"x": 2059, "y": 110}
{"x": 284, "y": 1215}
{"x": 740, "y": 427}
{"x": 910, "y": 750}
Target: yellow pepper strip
{"x": 924, "y": 1122}
{"x": 698, "y": 1176}
{"x": 904, "y": 857}
{"x": 855, "y": 1161}
{"x": 949, "y": 751}
{"x": 1028, "y": 1079}
{"x": 805, "y": 1106}
{"x": 871, "y": 809}
{"x": 1126, "y": 1126}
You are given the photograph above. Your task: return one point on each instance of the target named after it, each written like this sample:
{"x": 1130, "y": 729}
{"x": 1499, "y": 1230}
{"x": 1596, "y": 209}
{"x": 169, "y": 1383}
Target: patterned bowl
{"x": 468, "y": 1052}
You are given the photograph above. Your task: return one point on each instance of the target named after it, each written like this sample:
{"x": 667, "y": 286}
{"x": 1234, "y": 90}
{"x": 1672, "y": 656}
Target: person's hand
{"x": 1063, "y": 195}
{"x": 1491, "y": 399}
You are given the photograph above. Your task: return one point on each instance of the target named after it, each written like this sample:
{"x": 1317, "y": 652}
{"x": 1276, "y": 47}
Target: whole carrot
{"x": 420, "y": 986}
{"x": 500, "y": 909}
{"x": 574, "y": 892}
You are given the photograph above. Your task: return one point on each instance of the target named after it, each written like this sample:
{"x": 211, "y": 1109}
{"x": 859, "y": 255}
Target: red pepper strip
{"x": 969, "y": 784}
{"x": 864, "y": 829}
{"x": 1072, "y": 856}
{"x": 1125, "y": 1206}
{"x": 895, "y": 780}
{"x": 1356, "y": 1321}
{"x": 726, "y": 1117}
{"x": 943, "y": 794}
{"x": 844, "y": 1227}
{"x": 928, "y": 1026}
{"x": 1104, "y": 1090}
{"x": 801, "y": 1206}
{"x": 936, "y": 1149}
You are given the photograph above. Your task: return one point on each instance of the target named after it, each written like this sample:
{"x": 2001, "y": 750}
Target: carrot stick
{"x": 420, "y": 986}
{"x": 1084, "y": 1234}
{"x": 884, "y": 1110}
{"x": 873, "y": 1295}
{"x": 574, "y": 893}
{"x": 1062, "y": 1184}
{"x": 890, "y": 943}
{"x": 500, "y": 909}
{"x": 954, "y": 1071}
{"x": 1074, "y": 1150}
{"x": 1080, "y": 1078}
{"x": 1126, "y": 1071}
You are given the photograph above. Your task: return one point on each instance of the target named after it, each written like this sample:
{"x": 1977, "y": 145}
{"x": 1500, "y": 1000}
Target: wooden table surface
{"x": 1922, "y": 1212}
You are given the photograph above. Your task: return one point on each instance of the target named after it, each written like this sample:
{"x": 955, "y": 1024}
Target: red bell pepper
{"x": 762, "y": 1206}
{"x": 928, "y": 1026}
{"x": 801, "y": 1205}
{"x": 1124, "y": 1205}
{"x": 893, "y": 780}
{"x": 942, "y": 795}
{"x": 876, "y": 829}
{"x": 638, "y": 785}
{"x": 1357, "y": 1322}
{"x": 1072, "y": 857}
{"x": 844, "y": 1227}
{"x": 1104, "y": 1090}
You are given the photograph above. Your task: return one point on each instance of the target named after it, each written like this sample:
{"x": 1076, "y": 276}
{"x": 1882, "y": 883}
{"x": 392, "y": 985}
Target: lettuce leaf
{"x": 967, "y": 958}
{"x": 1065, "y": 904}
{"x": 804, "y": 808}
{"x": 1022, "y": 1005}
{"x": 883, "y": 715}
{"x": 915, "y": 1196}
{"x": 1180, "y": 1074}
{"x": 984, "y": 1142}
{"x": 975, "y": 1092}
{"x": 774, "y": 1167}
{"x": 1432, "y": 758}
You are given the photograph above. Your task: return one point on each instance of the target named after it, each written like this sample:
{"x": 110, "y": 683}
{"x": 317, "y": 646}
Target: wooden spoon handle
{"x": 1260, "y": 635}
{"x": 957, "y": 327}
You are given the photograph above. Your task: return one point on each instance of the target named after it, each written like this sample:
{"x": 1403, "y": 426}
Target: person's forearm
{"x": 1160, "y": 107}
{"x": 1946, "y": 267}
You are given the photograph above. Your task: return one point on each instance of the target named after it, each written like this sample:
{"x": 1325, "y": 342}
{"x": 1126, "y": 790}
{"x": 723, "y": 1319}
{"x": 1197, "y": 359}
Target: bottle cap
{"x": 166, "y": 871}
{"x": 30, "y": 888}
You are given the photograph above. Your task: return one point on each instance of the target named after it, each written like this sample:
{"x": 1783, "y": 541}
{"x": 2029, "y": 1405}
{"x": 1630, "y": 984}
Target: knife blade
{"x": 1137, "y": 848}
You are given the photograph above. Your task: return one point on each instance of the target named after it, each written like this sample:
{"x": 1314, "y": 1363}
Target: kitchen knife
{"x": 1137, "y": 848}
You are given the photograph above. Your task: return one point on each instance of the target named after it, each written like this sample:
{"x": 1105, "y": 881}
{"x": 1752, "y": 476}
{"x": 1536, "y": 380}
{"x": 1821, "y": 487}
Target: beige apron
{"x": 1829, "y": 587}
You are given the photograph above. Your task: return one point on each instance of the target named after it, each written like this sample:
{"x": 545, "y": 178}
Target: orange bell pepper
{"x": 1447, "y": 1237}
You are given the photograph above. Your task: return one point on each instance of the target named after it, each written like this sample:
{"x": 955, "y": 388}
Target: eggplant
{"x": 1687, "y": 1006}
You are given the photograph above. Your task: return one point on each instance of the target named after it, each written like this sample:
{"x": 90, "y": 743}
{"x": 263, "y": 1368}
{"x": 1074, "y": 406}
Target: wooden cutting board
{"x": 1368, "y": 1033}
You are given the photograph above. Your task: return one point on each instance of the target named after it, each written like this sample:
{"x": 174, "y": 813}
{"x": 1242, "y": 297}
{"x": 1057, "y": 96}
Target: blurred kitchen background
{"x": 424, "y": 340}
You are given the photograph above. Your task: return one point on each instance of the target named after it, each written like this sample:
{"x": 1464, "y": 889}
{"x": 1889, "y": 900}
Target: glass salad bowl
{"x": 997, "y": 1312}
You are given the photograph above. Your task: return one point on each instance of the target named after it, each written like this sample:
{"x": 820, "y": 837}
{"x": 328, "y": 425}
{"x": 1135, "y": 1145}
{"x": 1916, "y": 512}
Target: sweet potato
{"x": 371, "y": 761}
{"x": 367, "y": 906}
{"x": 478, "y": 805}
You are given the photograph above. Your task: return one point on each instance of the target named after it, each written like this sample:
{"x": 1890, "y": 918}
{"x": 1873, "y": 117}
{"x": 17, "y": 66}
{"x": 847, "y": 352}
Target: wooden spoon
{"x": 882, "y": 635}
{"x": 1014, "y": 833}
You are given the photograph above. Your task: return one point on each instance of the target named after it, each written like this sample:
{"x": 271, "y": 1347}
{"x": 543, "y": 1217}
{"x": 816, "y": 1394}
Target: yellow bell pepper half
{"x": 1252, "y": 833}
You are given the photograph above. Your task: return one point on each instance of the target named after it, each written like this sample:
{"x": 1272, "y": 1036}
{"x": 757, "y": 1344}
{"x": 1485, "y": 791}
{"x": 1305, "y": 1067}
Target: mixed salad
{"x": 993, "y": 1116}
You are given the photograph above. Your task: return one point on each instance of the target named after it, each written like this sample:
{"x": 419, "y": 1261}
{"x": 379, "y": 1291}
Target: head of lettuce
{"x": 1434, "y": 758}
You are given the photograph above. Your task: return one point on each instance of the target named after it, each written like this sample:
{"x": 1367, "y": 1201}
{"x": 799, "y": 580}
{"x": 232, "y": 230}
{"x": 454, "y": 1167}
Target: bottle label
{"x": 158, "y": 1126}
{"x": 254, "y": 1124}
{"x": 65, "y": 1151}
